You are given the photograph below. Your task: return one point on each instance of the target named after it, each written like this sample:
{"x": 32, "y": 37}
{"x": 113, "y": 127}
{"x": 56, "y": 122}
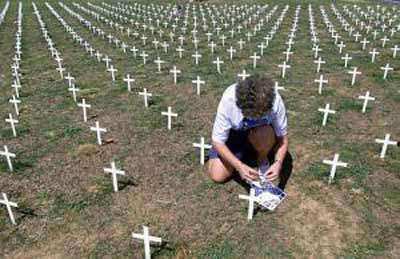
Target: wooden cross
{"x": 334, "y": 164}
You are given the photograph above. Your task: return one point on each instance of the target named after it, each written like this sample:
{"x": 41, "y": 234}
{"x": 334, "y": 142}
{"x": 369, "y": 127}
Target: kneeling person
{"x": 250, "y": 130}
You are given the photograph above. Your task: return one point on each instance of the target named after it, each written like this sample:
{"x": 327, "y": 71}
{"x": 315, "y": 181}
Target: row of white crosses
{"x": 326, "y": 111}
{"x": 316, "y": 51}
{"x": 366, "y": 98}
{"x": 255, "y": 57}
{"x": 97, "y": 129}
{"x": 231, "y": 50}
{"x": 113, "y": 169}
{"x": 128, "y": 79}
{"x": 4, "y": 12}
{"x": 17, "y": 84}
{"x": 166, "y": 23}
{"x": 16, "y": 75}
{"x": 169, "y": 114}
{"x": 373, "y": 52}
{"x": 335, "y": 36}
{"x": 100, "y": 57}
{"x": 354, "y": 73}
{"x": 218, "y": 61}
{"x": 236, "y": 14}
{"x": 377, "y": 23}
{"x": 288, "y": 52}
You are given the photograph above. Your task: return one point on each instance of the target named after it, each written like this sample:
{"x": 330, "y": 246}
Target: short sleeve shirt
{"x": 230, "y": 117}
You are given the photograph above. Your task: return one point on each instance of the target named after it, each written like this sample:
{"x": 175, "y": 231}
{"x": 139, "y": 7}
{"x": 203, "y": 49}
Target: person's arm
{"x": 221, "y": 129}
{"x": 281, "y": 151}
{"x": 245, "y": 171}
{"x": 280, "y": 126}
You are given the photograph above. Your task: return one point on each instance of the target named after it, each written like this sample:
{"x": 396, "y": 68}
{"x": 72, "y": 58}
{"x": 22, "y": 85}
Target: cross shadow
{"x": 26, "y": 212}
{"x": 164, "y": 246}
{"x": 122, "y": 184}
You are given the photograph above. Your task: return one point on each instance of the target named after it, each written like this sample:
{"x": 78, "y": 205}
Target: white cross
{"x": 158, "y": 61}
{"x": 346, "y": 59}
{"x": 251, "y": 198}
{"x": 334, "y": 164}
{"x": 218, "y": 62}
{"x": 98, "y": 56}
{"x": 384, "y": 39}
{"x": 145, "y": 96}
{"x": 198, "y": 83}
{"x": 223, "y": 38}
{"x": 61, "y": 70}
{"x": 202, "y": 147}
{"x": 341, "y": 45}
{"x": 134, "y": 50}
{"x": 74, "y": 90}
{"x": 16, "y": 86}
{"x": 84, "y": 107}
{"x": 175, "y": 72}
{"x": 212, "y": 45}
{"x": 356, "y": 35}
{"x": 180, "y": 50}
{"x": 261, "y": 47}
{"x": 196, "y": 57}
{"x": 366, "y": 98}
{"x": 12, "y": 122}
{"x": 278, "y": 87}
{"x": 386, "y": 69}
{"x": 129, "y": 80}
{"x": 395, "y": 49}
{"x": 326, "y": 112}
{"x": 241, "y": 44}
{"x": 107, "y": 60}
{"x": 243, "y": 75}
{"x": 144, "y": 55}
{"x": 114, "y": 172}
{"x": 255, "y": 57}
{"x": 373, "y": 54}
{"x": 284, "y": 66}
{"x": 321, "y": 81}
{"x": 70, "y": 79}
{"x": 146, "y": 240}
{"x": 364, "y": 43}
{"x": 15, "y": 101}
{"x": 231, "y": 50}
{"x": 8, "y": 205}
{"x": 354, "y": 73}
{"x": 112, "y": 70}
{"x": 169, "y": 114}
{"x": 8, "y": 155}
{"x": 316, "y": 50}
{"x": 386, "y": 142}
{"x": 319, "y": 61}
{"x": 98, "y": 132}
{"x": 287, "y": 54}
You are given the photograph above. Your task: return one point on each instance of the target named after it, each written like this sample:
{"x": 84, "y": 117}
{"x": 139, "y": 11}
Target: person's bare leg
{"x": 219, "y": 171}
{"x": 263, "y": 141}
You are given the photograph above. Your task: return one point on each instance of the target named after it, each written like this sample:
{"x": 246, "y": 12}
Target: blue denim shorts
{"x": 238, "y": 144}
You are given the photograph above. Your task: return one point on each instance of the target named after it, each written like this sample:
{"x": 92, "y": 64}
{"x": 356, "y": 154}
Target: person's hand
{"x": 247, "y": 173}
{"x": 273, "y": 171}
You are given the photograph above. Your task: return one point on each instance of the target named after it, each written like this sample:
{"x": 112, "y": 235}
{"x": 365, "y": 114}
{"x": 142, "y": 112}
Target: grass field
{"x": 67, "y": 208}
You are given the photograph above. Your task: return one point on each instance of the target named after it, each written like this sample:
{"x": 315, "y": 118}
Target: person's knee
{"x": 218, "y": 173}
